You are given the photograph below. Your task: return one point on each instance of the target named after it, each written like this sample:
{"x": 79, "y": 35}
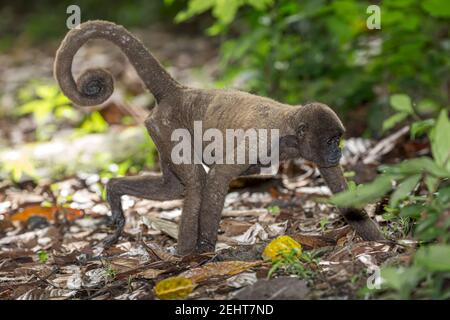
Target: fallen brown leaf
{"x": 46, "y": 212}
{"x": 219, "y": 269}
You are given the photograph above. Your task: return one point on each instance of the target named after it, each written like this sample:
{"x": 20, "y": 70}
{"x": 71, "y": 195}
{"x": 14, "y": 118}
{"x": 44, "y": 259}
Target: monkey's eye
{"x": 332, "y": 140}
{"x": 301, "y": 130}
{"x": 335, "y": 141}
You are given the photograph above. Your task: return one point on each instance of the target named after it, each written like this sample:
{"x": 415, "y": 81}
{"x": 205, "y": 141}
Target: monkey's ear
{"x": 301, "y": 130}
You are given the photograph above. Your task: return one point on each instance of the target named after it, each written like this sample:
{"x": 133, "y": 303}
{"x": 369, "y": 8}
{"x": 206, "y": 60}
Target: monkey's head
{"x": 318, "y": 130}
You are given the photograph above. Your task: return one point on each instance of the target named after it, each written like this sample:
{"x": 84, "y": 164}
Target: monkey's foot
{"x": 117, "y": 222}
{"x": 201, "y": 247}
{"x": 111, "y": 239}
{"x": 204, "y": 246}
{"x": 367, "y": 229}
{"x": 182, "y": 251}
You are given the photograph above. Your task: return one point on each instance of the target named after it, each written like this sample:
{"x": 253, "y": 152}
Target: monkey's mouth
{"x": 334, "y": 159}
{"x": 334, "y": 178}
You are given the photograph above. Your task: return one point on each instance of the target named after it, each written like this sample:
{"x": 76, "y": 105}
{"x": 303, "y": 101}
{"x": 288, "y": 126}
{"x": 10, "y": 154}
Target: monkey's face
{"x": 319, "y": 134}
{"x": 330, "y": 151}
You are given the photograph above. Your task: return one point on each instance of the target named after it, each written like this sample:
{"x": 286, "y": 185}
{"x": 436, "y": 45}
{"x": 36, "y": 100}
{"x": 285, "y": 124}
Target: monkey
{"x": 311, "y": 131}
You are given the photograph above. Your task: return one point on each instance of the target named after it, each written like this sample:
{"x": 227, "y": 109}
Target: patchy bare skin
{"x": 311, "y": 131}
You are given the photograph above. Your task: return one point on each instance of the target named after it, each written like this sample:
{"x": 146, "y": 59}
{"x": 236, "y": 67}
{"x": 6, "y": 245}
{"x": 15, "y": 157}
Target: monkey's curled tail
{"x": 94, "y": 86}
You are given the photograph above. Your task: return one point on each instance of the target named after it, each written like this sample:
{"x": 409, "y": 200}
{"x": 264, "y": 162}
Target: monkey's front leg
{"x": 357, "y": 219}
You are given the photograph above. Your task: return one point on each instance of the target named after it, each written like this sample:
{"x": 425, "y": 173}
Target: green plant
{"x": 42, "y": 256}
{"x": 290, "y": 263}
{"x": 419, "y": 192}
{"x": 324, "y": 222}
{"x": 223, "y": 11}
{"x": 48, "y": 106}
{"x": 51, "y": 110}
{"x": 426, "y": 207}
{"x": 274, "y": 210}
{"x": 110, "y": 272}
{"x": 427, "y": 277}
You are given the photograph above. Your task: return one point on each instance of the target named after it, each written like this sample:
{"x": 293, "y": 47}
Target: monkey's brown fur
{"x": 311, "y": 131}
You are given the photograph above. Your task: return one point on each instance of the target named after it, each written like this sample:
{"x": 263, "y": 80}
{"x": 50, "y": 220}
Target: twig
{"x": 384, "y": 146}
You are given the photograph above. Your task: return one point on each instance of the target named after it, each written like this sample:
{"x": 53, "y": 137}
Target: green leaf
{"x": 434, "y": 257}
{"x": 427, "y": 106}
{"x": 444, "y": 195}
{"x": 43, "y": 256}
{"x": 437, "y": 8}
{"x": 29, "y": 107}
{"x": 440, "y": 141}
{"x": 404, "y": 280}
{"x": 363, "y": 194}
{"x": 401, "y": 103}
{"x": 431, "y": 183}
{"x": 393, "y": 120}
{"x": 260, "y": 4}
{"x": 225, "y": 10}
{"x": 419, "y": 128}
{"x": 274, "y": 210}
{"x": 46, "y": 92}
{"x": 412, "y": 211}
{"x": 94, "y": 123}
{"x": 416, "y": 166}
{"x": 352, "y": 185}
{"x": 404, "y": 189}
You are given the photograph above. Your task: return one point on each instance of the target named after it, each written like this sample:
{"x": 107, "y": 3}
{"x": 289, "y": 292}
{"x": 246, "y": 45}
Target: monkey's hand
{"x": 360, "y": 221}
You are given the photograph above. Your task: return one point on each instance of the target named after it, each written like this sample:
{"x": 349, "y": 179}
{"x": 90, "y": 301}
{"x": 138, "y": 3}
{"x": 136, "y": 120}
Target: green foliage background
{"x": 299, "y": 51}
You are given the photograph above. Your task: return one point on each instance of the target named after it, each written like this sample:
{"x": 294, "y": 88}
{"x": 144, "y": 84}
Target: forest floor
{"x": 50, "y": 250}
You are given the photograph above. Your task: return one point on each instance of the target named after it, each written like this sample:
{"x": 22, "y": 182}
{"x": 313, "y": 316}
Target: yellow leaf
{"x": 174, "y": 288}
{"x": 280, "y": 246}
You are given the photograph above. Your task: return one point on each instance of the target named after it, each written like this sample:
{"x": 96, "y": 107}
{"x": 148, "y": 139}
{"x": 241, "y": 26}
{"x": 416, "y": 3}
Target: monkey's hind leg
{"x": 165, "y": 187}
{"x": 213, "y": 198}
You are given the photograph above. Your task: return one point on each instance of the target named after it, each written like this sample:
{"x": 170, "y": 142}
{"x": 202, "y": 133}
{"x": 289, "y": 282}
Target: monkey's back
{"x": 233, "y": 109}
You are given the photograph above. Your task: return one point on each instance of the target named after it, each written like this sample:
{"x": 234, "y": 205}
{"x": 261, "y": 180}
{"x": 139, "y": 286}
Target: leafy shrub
{"x": 419, "y": 192}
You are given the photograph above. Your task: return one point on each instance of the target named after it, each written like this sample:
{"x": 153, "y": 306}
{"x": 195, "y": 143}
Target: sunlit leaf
{"x": 46, "y": 91}
{"x": 174, "y": 288}
{"x": 43, "y": 256}
{"x": 94, "y": 123}
{"x": 419, "y": 128}
{"x": 390, "y": 122}
{"x": 281, "y": 246}
{"x": 440, "y": 141}
{"x": 363, "y": 194}
{"x": 401, "y": 103}
{"x": 427, "y": 106}
{"x": 437, "y": 8}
